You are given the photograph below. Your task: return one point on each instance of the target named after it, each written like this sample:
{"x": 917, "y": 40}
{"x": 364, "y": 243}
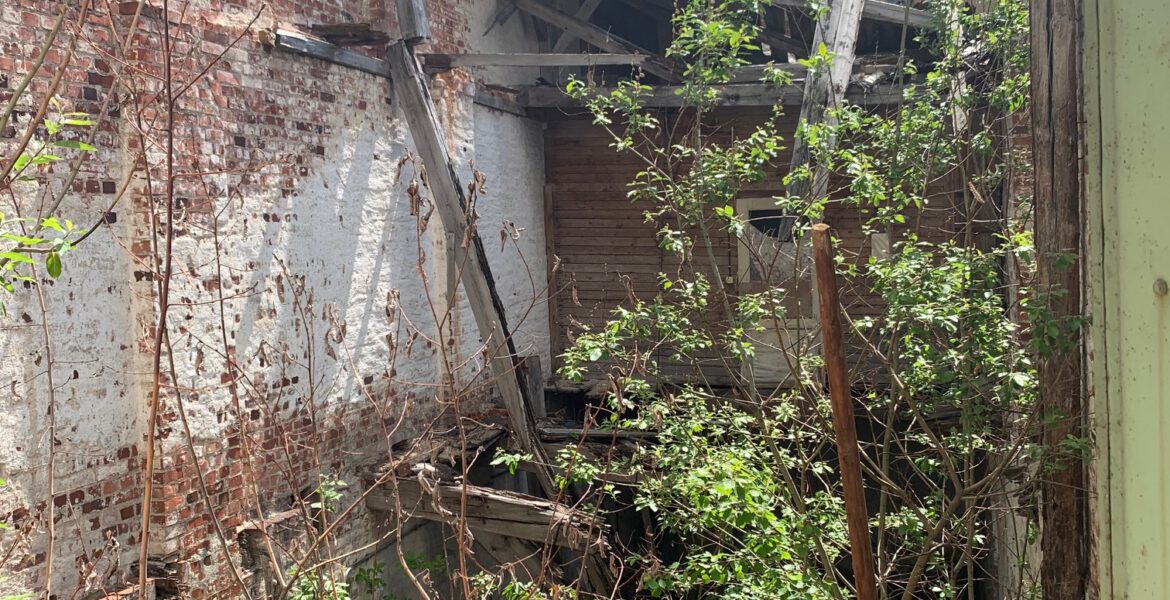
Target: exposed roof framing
{"x": 878, "y": 10}
{"x": 596, "y": 36}
{"x": 585, "y": 12}
{"x": 756, "y": 94}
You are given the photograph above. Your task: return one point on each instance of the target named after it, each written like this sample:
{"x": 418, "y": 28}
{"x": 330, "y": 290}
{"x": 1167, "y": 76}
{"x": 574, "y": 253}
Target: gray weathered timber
{"x": 412, "y": 21}
{"x": 296, "y": 43}
{"x": 414, "y": 98}
{"x": 826, "y": 89}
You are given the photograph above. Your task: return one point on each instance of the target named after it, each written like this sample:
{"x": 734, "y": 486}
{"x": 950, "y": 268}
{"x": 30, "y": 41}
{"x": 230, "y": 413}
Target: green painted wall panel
{"x": 1127, "y": 96}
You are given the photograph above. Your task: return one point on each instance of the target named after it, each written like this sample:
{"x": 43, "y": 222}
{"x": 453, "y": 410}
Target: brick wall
{"x": 300, "y": 341}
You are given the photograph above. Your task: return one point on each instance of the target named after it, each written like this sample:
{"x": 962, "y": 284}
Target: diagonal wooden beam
{"x": 588, "y": 7}
{"x": 414, "y": 98}
{"x": 596, "y": 36}
{"x": 877, "y": 10}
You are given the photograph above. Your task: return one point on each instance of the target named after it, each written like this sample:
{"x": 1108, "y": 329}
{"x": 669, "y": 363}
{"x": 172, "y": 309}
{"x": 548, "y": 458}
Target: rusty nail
{"x": 1161, "y": 288}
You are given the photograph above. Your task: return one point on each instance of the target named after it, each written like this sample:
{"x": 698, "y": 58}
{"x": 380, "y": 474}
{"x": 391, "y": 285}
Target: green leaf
{"x": 53, "y": 265}
{"x": 52, "y": 223}
{"x": 17, "y": 257}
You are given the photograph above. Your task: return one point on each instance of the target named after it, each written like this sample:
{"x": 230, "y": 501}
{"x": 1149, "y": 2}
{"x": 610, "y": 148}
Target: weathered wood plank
{"x": 757, "y": 94}
{"x": 442, "y": 62}
{"x": 596, "y": 36}
{"x": 496, "y": 511}
{"x": 412, "y": 21}
{"x": 413, "y": 96}
{"x": 298, "y": 43}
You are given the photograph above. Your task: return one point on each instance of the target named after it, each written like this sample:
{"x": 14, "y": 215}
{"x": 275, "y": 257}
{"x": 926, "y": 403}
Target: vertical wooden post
{"x": 1059, "y": 222}
{"x": 412, "y": 21}
{"x": 825, "y": 88}
{"x": 856, "y": 514}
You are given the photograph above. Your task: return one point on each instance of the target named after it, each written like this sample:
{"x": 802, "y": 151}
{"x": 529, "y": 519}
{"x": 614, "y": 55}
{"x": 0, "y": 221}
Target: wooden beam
{"x": 412, "y": 21}
{"x": 495, "y": 511}
{"x": 414, "y": 99}
{"x": 849, "y": 456}
{"x": 759, "y": 94}
{"x": 442, "y": 62}
{"x": 350, "y": 34}
{"x": 298, "y": 43}
{"x": 877, "y": 10}
{"x": 585, "y": 12}
{"x": 555, "y": 434}
{"x": 596, "y": 36}
{"x": 825, "y": 89}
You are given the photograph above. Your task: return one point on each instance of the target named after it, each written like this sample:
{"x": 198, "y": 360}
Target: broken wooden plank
{"x": 760, "y": 94}
{"x": 877, "y": 10}
{"x": 412, "y": 21}
{"x": 299, "y": 43}
{"x": 495, "y": 511}
{"x": 585, "y": 12}
{"x": 825, "y": 89}
{"x": 414, "y": 98}
{"x": 597, "y": 36}
{"x": 442, "y": 448}
{"x": 443, "y": 62}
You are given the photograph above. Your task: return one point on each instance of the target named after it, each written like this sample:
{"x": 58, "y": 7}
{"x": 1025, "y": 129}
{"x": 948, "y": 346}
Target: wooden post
{"x": 825, "y": 88}
{"x": 414, "y": 98}
{"x": 1066, "y": 539}
{"x": 856, "y": 514}
{"x": 412, "y": 21}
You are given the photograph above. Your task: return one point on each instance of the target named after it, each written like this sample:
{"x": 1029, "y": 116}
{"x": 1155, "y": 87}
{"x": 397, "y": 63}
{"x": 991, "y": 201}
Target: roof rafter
{"x": 596, "y": 36}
